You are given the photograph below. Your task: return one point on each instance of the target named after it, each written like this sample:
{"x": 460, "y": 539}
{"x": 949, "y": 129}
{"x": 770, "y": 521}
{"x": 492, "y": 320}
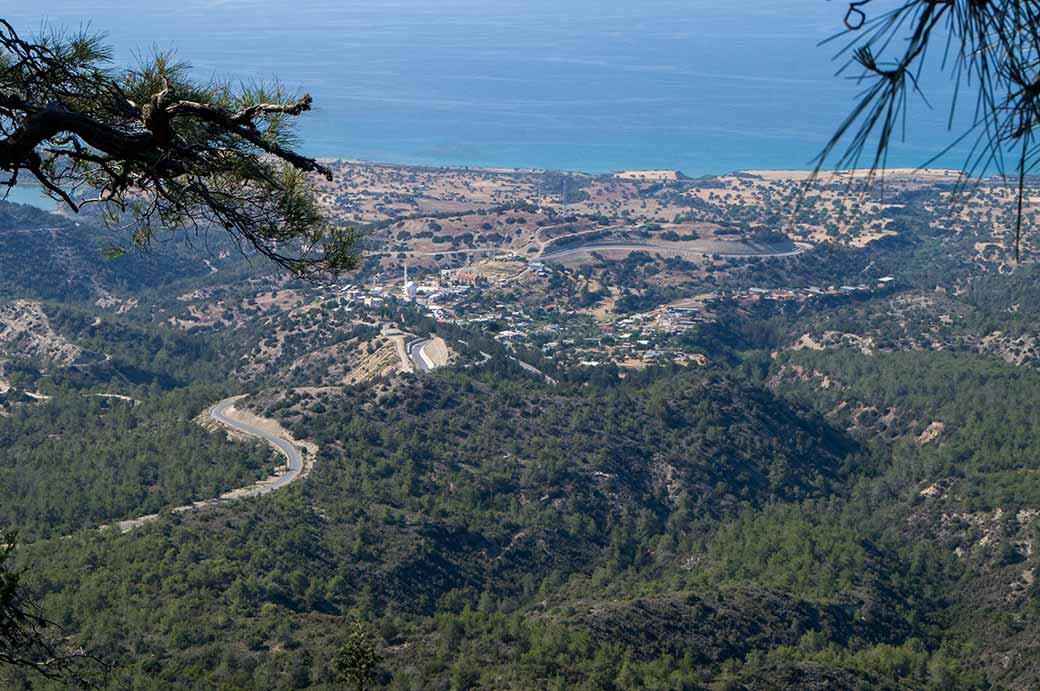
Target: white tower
{"x": 410, "y": 290}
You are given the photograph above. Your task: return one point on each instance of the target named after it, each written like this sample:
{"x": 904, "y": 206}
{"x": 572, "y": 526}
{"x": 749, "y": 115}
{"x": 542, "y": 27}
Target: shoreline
{"x": 625, "y": 173}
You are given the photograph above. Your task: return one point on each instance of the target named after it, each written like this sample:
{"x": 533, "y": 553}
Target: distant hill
{"x": 51, "y": 257}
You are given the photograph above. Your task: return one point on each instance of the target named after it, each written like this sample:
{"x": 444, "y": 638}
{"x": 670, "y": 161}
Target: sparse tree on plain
{"x": 990, "y": 49}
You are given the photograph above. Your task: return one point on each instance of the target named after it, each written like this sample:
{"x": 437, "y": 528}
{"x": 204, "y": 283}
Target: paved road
{"x": 218, "y": 412}
{"x": 415, "y": 352}
{"x": 534, "y": 370}
{"x": 287, "y": 449}
{"x": 434, "y": 253}
{"x": 515, "y": 277}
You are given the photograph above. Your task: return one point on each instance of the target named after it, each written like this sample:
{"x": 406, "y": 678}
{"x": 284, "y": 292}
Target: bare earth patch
{"x": 26, "y": 331}
{"x": 437, "y": 351}
{"x": 931, "y": 433}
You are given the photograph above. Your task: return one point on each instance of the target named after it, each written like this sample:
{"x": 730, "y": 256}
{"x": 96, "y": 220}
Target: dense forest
{"x": 80, "y": 459}
{"x": 696, "y": 531}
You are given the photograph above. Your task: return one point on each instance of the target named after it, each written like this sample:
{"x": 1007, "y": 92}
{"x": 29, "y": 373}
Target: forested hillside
{"x": 958, "y": 432}
{"x": 51, "y": 257}
{"x": 80, "y": 459}
{"x": 676, "y": 532}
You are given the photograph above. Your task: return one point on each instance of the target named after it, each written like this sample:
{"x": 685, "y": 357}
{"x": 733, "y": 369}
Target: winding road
{"x": 533, "y": 370}
{"x": 219, "y": 413}
{"x": 283, "y": 446}
{"x": 654, "y": 247}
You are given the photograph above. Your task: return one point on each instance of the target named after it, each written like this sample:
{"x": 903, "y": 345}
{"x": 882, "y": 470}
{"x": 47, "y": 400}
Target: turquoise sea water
{"x": 705, "y": 87}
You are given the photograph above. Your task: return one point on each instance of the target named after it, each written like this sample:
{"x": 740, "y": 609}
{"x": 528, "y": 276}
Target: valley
{"x": 618, "y": 431}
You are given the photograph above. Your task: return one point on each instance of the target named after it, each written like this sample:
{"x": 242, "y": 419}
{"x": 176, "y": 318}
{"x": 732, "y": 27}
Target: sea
{"x": 702, "y": 86}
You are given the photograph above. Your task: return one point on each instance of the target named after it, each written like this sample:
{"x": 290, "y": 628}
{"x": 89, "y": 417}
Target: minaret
{"x": 410, "y": 290}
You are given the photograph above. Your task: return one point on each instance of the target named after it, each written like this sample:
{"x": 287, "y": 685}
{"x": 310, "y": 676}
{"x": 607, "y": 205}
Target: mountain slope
{"x": 422, "y": 506}
{"x": 50, "y": 257}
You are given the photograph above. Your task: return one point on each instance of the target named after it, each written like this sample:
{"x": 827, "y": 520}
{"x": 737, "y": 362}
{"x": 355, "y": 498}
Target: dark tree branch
{"x": 993, "y": 47}
{"x": 30, "y": 641}
{"x": 242, "y": 124}
{"x": 169, "y": 153}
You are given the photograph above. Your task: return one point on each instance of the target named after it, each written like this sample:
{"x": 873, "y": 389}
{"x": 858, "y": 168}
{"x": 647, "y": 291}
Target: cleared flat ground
{"x": 695, "y": 248}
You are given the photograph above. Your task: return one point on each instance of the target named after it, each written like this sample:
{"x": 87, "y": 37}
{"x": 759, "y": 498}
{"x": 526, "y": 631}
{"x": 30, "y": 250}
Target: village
{"x": 565, "y": 334}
